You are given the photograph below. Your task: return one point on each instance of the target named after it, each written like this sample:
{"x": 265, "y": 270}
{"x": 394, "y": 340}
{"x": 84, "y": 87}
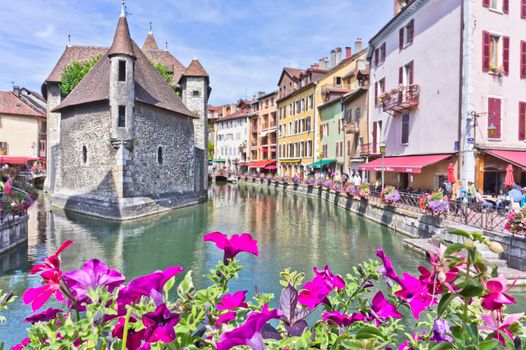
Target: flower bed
{"x": 363, "y": 309}
{"x": 390, "y": 195}
{"x": 435, "y": 203}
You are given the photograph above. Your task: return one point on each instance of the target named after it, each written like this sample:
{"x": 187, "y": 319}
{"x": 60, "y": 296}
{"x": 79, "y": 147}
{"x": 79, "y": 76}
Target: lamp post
{"x": 382, "y": 151}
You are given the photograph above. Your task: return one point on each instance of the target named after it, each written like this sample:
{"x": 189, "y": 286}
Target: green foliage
{"x": 74, "y": 73}
{"x": 210, "y": 150}
{"x": 164, "y": 72}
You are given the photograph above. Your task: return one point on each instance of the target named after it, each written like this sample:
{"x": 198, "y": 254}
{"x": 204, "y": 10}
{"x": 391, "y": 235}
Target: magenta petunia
{"x": 332, "y": 280}
{"x": 383, "y": 309}
{"x": 500, "y": 328}
{"x": 94, "y": 274}
{"x": 225, "y": 318}
{"x": 22, "y": 345}
{"x": 249, "y": 332}
{"x": 39, "y": 295}
{"x": 44, "y": 316}
{"x": 316, "y": 291}
{"x": 52, "y": 262}
{"x": 387, "y": 269}
{"x": 232, "y": 301}
{"x": 233, "y": 245}
{"x": 134, "y": 338}
{"x": 496, "y": 296}
{"x": 416, "y": 293}
{"x": 149, "y": 286}
{"x": 160, "y": 325}
{"x": 342, "y": 320}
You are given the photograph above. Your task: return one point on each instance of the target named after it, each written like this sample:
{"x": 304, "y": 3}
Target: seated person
{"x": 479, "y": 199}
{"x": 502, "y": 200}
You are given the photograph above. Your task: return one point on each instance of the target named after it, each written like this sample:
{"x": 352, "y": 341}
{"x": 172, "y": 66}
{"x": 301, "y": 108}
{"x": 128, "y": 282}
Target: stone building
{"x": 125, "y": 145}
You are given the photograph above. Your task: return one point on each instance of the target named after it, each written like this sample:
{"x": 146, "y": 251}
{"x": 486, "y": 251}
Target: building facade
{"x": 106, "y": 162}
{"x": 263, "y": 133}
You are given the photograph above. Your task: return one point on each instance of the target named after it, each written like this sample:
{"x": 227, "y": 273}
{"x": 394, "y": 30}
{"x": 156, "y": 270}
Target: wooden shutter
{"x": 494, "y": 116}
{"x": 376, "y": 52}
{"x": 411, "y": 72}
{"x": 506, "y": 54}
{"x": 485, "y": 51}
{"x": 411, "y": 31}
{"x": 401, "y": 75}
{"x": 405, "y": 128}
{"x": 506, "y": 6}
{"x": 523, "y": 59}
{"x": 383, "y": 51}
{"x": 375, "y": 93}
{"x": 523, "y": 8}
{"x": 485, "y": 3}
{"x": 522, "y": 121}
{"x": 374, "y": 136}
{"x": 401, "y": 38}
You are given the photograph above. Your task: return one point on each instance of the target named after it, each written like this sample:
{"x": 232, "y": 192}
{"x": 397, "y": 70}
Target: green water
{"x": 291, "y": 230}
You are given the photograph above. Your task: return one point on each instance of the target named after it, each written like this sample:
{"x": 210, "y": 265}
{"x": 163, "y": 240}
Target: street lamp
{"x": 492, "y": 130}
{"x": 382, "y": 151}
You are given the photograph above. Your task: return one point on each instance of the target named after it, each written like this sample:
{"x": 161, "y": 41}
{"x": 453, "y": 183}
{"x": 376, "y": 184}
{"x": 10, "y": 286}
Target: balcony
{"x": 352, "y": 128}
{"x": 367, "y": 149}
{"x": 400, "y": 99}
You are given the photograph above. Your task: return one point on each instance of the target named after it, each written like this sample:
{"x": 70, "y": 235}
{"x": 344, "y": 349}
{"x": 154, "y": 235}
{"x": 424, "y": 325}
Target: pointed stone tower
{"x": 195, "y": 91}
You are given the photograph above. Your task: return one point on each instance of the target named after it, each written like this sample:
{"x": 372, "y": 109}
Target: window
{"x": 494, "y": 118}
{"x": 308, "y": 124}
{"x": 160, "y": 155}
{"x": 523, "y": 9}
{"x": 84, "y": 155}
{"x": 405, "y": 128}
{"x": 3, "y": 148}
{"x": 122, "y": 117}
{"x": 523, "y": 57}
{"x": 407, "y": 34}
{"x": 357, "y": 114}
{"x": 522, "y": 121}
{"x": 497, "y": 5}
{"x": 196, "y": 93}
{"x": 406, "y": 74}
{"x": 495, "y": 53}
{"x": 324, "y": 151}
{"x": 337, "y": 81}
{"x": 382, "y": 53}
{"x": 122, "y": 70}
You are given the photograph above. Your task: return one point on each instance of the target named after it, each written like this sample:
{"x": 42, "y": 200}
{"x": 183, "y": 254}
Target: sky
{"x": 243, "y": 44}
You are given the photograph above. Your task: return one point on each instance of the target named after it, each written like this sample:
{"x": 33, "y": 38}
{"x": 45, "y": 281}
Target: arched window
{"x": 160, "y": 155}
{"x": 84, "y": 155}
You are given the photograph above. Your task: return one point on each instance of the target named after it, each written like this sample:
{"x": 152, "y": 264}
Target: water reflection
{"x": 292, "y": 231}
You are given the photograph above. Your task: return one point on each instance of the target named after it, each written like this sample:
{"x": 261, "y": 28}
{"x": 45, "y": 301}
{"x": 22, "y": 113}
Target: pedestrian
{"x": 471, "y": 192}
{"x": 446, "y": 187}
{"x": 515, "y": 197}
{"x": 357, "y": 179}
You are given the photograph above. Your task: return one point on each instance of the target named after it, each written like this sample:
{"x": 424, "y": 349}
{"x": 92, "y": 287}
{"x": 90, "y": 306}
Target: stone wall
{"x": 154, "y": 128}
{"x": 89, "y": 126}
{"x": 53, "y": 134}
{"x": 13, "y": 233}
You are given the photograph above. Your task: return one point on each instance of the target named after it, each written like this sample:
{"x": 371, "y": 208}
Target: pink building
{"x": 448, "y": 86}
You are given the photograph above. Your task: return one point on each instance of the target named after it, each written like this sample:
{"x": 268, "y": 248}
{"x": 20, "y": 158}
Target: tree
{"x": 210, "y": 150}
{"x": 74, "y": 73}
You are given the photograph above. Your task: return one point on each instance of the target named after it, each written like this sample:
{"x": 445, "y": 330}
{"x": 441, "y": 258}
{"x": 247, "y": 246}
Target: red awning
{"x": 517, "y": 158}
{"x": 404, "y": 164}
{"x": 242, "y": 164}
{"x": 18, "y": 160}
{"x": 261, "y": 163}
{"x": 271, "y": 167}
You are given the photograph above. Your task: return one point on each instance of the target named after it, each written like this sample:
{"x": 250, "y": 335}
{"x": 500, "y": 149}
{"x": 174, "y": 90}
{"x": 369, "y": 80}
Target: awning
{"x": 261, "y": 163}
{"x": 242, "y": 164}
{"x": 218, "y": 160}
{"x": 404, "y": 164}
{"x": 271, "y": 167}
{"x": 18, "y": 160}
{"x": 285, "y": 161}
{"x": 517, "y": 158}
{"x": 320, "y": 163}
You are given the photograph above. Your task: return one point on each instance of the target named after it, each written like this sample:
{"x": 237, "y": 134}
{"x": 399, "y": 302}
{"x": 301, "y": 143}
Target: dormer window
{"x": 122, "y": 117}
{"x": 122, "y": 70}
{"x": 195, "y": 93}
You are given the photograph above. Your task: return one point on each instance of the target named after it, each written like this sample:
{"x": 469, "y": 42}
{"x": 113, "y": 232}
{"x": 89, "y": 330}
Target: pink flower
{"x": 134, "y": 339}
{"x": 232, "y": 301}
{"x": 387, "y": 270}
{"x": 160, "y": 325}
{"x": 383, "y": 309}
{"x": 497, "y": 296}
{"x": 229, "y": 316}
{"x": 493, "y": 325}
{"x": 408, "y": 345}
{"x": 233, "y": 245}
{"x": 149, "y": 286}
{"x": 39, "y": 295}
{"x": 22, "y": 344}
{"x": 52, "y": 262}
{"x": 415, "y": 293}
{"x": 249, "y": 332}
{"x": 342, "y": 320}
{"x": 316, "y": 291}
{"x": 44, "y": 316}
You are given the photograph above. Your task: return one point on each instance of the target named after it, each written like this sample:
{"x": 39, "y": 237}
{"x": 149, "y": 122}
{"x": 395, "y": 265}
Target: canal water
{"x": 292, "y": 231}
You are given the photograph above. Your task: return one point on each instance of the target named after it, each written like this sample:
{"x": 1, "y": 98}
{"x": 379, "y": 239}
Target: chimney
{"x": 358, "y": 45}
{"x": 16, "y": 90}
{"x": 348, "y": 52}
{"x": 399, "y": 5}
{"x": 338, "y": 55}
{"x": 333, "y": 59}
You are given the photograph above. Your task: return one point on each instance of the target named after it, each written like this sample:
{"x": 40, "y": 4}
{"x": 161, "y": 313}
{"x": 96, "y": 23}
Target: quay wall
{"x": 13, "y": 233}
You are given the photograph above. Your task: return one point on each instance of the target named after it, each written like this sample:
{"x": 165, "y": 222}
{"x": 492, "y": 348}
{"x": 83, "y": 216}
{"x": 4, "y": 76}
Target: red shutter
{"x": 485, "y": 3}
{"x": 485, "y": 51}
{"x": 522, "y": 121}
{"x": 506, "y": 6}
{"x": 411, "y": 72}
{"x": 494, "y": 116}
{"x": 401, "y": 75}
{"x": 374, "y": 136}
{"x": 383, "y": 51}
{"x": 523, "y": 59}
{"x": 506, "y": 54}
{"x": 376, "y": 56}
{"x": 375, "y": 93}
{"x": 411, "y": 31}
{"x": 401, "y": 38}
{"x": 523, "y": 8}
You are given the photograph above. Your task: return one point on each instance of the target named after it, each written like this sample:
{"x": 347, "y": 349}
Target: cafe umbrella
{"x": 509, "y": 181}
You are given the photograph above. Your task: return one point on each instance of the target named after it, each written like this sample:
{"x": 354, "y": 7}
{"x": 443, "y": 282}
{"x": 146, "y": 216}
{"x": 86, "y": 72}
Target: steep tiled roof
{"x": 150, "y": 87}
{"x": 122, "y": 43}
{"x": 12, "y": 104}
{"x": 293, "y": 72}
{"x": 195, "y": 69}
{"x": 74, "y": 53}
{"x": 150, "y": 43}
{"x": 168, "y": 60}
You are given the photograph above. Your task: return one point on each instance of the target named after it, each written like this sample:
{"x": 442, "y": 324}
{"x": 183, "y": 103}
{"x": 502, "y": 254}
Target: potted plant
{"x": 390, "y": 195}
{"x": 435, "y": 203}
{"x": 364, "y": 191}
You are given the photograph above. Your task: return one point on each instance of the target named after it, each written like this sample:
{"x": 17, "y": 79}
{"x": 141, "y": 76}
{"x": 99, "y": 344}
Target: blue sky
{"x": 243, "y": 44}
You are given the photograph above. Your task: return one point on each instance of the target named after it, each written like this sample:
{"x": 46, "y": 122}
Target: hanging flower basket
{"x": 390, "y": 195}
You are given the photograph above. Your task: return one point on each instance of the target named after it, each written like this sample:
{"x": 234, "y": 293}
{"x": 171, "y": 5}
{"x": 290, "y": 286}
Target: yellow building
{"x": 296, "y": 119}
